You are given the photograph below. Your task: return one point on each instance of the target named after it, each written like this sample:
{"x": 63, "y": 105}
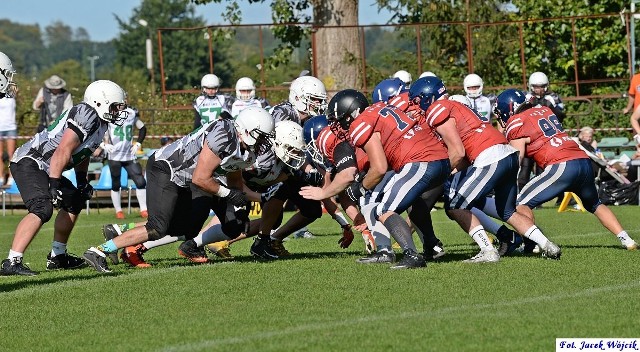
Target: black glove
{"x": 360, "y": 176}
{"x": 266, "y": 196}
{"x": 355, "y": 191}
{"x": 313, "y": 177}
{"x": 55, "y": 192}
{"x": 86, "y": 191}
{"x": 237, "y": 198}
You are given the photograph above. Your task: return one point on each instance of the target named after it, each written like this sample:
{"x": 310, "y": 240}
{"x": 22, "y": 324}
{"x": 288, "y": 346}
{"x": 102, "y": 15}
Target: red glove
{"x": 369, "y": 242}
{"x": 347, "y": 237}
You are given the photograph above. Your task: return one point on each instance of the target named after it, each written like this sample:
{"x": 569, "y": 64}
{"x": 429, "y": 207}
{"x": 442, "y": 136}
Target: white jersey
{"x": 209, "y": 109}
{"x": 121, "y": 137}
{"x": 483, "y": 106}
{"x": 240, "y": 105}
{"x": 83, "y": 120}
{"x": 220, "y": 137}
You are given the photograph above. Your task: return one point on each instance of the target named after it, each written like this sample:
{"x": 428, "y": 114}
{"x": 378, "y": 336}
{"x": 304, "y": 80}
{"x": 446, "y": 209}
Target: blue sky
{"x": 97, "y": 17}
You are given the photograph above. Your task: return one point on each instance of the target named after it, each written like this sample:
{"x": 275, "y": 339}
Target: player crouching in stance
{"x": 187, "y": 178}
{"x": 537, "y": 133}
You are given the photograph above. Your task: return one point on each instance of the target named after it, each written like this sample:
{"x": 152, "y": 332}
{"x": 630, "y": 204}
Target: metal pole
{"x": 93, "y": 65}
{"x": 632, "y": 20}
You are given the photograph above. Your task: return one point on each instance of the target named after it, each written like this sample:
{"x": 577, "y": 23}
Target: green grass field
{"x": 320, "y": 299}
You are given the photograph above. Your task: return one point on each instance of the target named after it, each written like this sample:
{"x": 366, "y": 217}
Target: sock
{"x": 141, "y": 194}
{"x": 624, "y": 236}
{"x": 480, "y": 236}
{"x": 488, "y": 223}
{"x": 489, "y": 208}
{"x": 534, "y": 234}
{"x": 14, "y": 255}
{"x": 58, "y": 248}
{"x": 211, "y": 235}
{"x": 400, "y": 231}
{"x": 115, "y": 198}
{"x": 129, "y": 226}
{"x": 382, "y": 236}
{"x": 161, "y": 242}
{"x": 108, "y": 247}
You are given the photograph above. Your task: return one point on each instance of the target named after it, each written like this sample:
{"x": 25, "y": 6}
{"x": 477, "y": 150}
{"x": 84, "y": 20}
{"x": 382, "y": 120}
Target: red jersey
{"x": 476, "y": 135}
{"x": 403, "y": 140}
{"x": 549, "y": 143}
{"x": 327, "y": 142}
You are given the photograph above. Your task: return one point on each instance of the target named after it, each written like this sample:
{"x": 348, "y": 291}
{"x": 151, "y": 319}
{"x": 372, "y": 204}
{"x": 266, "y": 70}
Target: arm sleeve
{"x": 344, "y": 156}
{"x": 142, "y": 132}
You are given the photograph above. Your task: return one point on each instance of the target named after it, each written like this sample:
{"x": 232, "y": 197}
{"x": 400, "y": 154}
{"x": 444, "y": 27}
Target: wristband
{"x": 54, "y": 182}
{"x": 223, "y": 191}
{"x": 340, "y": 219}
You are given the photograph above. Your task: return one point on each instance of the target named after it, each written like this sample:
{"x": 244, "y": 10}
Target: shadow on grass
{"x": 44, "y": 278}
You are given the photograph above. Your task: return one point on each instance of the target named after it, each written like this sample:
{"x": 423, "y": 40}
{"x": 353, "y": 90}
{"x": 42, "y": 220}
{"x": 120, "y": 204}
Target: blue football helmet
{"x": 425, "y": 91}
{"x": 507, "y": 103}
{"x": 387, "y": 89}
{"x": 311, "y": 129}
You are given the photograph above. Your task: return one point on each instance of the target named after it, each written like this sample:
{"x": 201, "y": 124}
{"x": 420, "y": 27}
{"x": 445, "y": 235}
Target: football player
{"x": 7, "y": 86}
{"x": 246, "y": 96}
{"x": 209, "y": 105}
{"x": 187, "y": 178}
{"x": 121, "y": 152}
{"x": 536, "y": 132}
{"x": 37, "y": 168}
{"x": 392, "y": 141}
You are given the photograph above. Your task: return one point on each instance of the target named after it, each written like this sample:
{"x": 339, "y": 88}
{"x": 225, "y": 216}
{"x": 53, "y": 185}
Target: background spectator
{"x": 633, "y": 96}
{"x": 52, "y": 100}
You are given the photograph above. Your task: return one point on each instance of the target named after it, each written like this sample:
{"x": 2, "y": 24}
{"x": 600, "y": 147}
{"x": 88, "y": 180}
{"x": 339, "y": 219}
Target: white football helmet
{"x": 538, "y": 79}
{"x": 473, "y": 80}
{"x": 460, "y": 99}
{"x": 308, "y": 95}
{"x": 255, "y": 126}
{"x": 288, "y": 144}
{"x": 108, "y": 99}
{"x": 427, "y": 74}
{"x": 209, "y": 81}
{"x": 404, "y": 77}
{"x": 7, "y": 86}
{"x": 245, "y": 83}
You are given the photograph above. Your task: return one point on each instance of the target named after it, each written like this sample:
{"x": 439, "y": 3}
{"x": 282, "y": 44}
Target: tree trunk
{"x": 337, "y": 49}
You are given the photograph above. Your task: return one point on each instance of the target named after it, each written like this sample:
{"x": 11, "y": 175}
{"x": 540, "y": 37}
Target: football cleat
{"x": 378, "y": 257}
{"x": 133, "y": 256}
{"x": 434, "y": 253}
{"x": 119, "y": 215}
{"x": 144, "y": 214}
{"x": 64, "y": 261}
{"x": 221, "y": 250}
{"x": 96, "y": 259}
{"x": 190, "y": 250}
{"x": 629, "y": 244}
{"x": 262, "y": 249}
{"x": 15, "y": 267}
{"x": 410, "y": 260}
{"x": 551, "y": 251}
{"x": 508, "y": 247}
{"x": 487, "y": 255}
{"x": 278, "y": 248}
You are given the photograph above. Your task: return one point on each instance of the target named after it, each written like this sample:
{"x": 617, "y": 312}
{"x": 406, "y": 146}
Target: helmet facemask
{"x": 8, "y": 87}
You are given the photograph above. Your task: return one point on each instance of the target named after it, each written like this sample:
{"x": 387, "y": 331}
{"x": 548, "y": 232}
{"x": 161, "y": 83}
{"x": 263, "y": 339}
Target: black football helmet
{"x": 345, "y": 106}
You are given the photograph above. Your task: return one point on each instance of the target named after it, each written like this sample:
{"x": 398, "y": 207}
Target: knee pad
{"x": 42, "y": 208}
{"x": 153, "y": 234}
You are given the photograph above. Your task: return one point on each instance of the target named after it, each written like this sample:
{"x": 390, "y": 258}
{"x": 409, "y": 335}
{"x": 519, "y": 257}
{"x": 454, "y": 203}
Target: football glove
{"x": 135, "y": 147}
{"x": 271, "y": 191}
{"x": 347, "y": 237}
{"x": 55, "y": 192}
{"x": 86, "y": 191}
{"x": 355, "y": 191}
{"x": 369, "y": 242}
{"x": 237, "y": 198}
{"x": 108, "y": 148}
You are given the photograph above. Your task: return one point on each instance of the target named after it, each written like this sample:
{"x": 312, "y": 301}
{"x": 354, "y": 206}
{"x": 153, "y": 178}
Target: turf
{"x": 320, "y": 299}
